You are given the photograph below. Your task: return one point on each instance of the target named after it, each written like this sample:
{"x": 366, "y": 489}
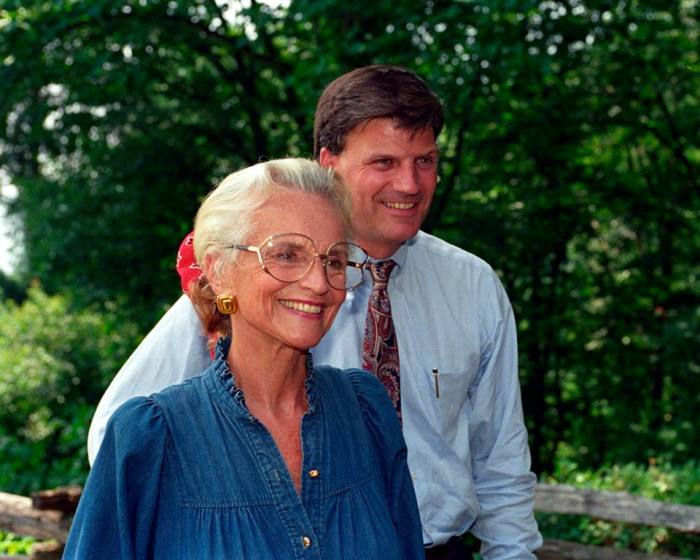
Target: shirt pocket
{"x": 451, "y": 389}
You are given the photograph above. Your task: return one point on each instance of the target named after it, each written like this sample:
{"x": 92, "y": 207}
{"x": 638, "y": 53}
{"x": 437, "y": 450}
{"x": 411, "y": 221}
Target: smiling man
{"x": 433, "y": 322}
{"x": 393, "y": 172}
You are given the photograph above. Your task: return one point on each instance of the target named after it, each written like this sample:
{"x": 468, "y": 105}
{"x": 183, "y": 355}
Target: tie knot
{"x": 381, "y": 270}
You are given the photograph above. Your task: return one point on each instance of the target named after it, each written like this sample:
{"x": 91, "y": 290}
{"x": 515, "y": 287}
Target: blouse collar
{"x": 227, "y": 380}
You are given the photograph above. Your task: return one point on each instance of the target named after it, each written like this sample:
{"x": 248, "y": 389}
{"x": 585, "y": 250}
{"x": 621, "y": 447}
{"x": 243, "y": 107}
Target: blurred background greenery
{"x": 570, "y": 161}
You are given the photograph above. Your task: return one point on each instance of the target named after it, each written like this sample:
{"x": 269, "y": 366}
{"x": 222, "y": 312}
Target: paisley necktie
{"x": 380, "y": 351}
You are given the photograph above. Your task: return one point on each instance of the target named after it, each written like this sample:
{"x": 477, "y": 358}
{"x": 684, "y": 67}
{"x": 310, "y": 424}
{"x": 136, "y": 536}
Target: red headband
{"x": 186, "y": 266}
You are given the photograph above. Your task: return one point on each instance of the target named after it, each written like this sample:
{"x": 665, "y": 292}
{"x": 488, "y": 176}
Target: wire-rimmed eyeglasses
{"x": 288, "y": 257}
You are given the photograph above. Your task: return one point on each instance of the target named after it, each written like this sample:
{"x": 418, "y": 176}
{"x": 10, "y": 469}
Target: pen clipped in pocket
{"x": 449, "y": 389}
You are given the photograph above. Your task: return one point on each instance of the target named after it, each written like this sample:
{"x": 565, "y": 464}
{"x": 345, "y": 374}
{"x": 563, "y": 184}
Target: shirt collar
{"x": 399, "y": 257}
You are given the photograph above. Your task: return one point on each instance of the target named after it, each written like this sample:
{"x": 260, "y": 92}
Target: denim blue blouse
{"x": 189, "y": 473}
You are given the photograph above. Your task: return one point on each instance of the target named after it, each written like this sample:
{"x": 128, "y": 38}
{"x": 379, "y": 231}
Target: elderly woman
{"x": 264, "y": 455}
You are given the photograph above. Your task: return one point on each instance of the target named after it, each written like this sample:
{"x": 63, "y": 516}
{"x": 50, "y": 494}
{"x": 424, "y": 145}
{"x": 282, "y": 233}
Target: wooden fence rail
{"x": 17, "y": 515}
{"x": 553, "y": 549}
{"x": 47, "y": 515}
{"x": 609, "y": 506}
{"x": 616, "y": 506}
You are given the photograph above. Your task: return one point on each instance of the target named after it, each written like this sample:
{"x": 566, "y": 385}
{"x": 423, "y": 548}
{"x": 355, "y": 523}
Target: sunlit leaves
{"x": 55, "y": 364}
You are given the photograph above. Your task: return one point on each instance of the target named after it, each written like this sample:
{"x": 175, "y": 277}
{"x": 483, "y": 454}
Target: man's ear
{"x": 326, "y": 158}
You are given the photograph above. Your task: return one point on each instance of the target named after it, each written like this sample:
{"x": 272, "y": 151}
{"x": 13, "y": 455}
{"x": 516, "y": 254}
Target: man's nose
{"x": 407, "y": 180}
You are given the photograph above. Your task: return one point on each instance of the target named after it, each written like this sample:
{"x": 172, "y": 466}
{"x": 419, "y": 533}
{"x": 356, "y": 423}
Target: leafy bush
{"x": 659, "y": 481}
{"x": 12, "y": 544}
{"x": 56, "y": 364}
{"x": 11, "y": 288}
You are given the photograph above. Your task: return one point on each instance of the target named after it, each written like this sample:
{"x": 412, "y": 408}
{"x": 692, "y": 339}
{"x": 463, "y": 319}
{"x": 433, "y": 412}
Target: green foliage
{"x": 11, "y": 289}
{"x": 134, "y": 112}
{"x": 11, "y": 544}
{"x": 660, "y": 481}
{"x": 56, "y": 363}
{"x": 570, "y": 160}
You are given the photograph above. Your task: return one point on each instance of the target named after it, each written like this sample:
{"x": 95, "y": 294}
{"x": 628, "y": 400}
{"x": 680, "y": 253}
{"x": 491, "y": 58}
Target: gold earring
{"x": 227, "y": 305}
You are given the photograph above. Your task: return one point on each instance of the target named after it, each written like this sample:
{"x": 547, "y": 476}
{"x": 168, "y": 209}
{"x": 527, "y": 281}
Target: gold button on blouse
{"x": 313, "y": 473}
{"x": 306, "y": 541}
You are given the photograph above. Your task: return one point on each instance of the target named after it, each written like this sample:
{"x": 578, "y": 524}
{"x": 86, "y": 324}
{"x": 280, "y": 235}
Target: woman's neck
{"x": 273, "y": 379}
{"x": 271, "y": 376}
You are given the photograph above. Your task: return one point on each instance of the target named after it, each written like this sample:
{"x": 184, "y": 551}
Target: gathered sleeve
{"x": 385, "y": 431}
{"x": 174, "y": 350}
{"x": 117, "y": 510}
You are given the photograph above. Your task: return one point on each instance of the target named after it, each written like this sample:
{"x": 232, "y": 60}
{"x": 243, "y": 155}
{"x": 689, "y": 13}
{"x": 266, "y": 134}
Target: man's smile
{"x": 400, "y": 205}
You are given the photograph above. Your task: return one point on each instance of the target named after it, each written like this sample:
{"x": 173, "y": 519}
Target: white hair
{"x": 225, "y": 216}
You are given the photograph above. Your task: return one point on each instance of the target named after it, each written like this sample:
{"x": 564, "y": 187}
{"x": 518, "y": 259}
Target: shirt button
{"x": 313, "y": 473}
{"x": 414, "y": 476}
{"x": 306, "y": 541}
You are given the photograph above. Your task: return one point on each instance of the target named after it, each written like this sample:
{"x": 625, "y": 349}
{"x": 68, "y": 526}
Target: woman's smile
{"x": 305, "y": 307}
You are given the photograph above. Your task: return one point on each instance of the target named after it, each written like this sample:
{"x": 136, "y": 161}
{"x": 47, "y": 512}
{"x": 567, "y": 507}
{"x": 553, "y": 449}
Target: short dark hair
{"x": 374, "y": 92}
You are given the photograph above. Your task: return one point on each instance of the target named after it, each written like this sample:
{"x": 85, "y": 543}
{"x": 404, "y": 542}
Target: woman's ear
{"x": 209, "y": 268}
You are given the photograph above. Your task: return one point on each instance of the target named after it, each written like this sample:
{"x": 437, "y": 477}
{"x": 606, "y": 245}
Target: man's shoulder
{"x": 433, "y": 262}
{"x": 426, "y": 246}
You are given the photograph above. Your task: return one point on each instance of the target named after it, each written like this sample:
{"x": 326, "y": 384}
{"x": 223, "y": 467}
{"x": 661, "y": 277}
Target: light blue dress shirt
{"x": 467, "y": 449}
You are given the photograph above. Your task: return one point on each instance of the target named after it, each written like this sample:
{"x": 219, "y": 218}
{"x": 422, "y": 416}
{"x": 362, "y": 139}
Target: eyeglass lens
{"x": 289, "y": 257}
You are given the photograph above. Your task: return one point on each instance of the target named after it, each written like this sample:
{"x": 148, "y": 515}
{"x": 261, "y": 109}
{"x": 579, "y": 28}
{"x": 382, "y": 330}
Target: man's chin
{"x": 393, "y": 241}
{"x": 404, "y": 233}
